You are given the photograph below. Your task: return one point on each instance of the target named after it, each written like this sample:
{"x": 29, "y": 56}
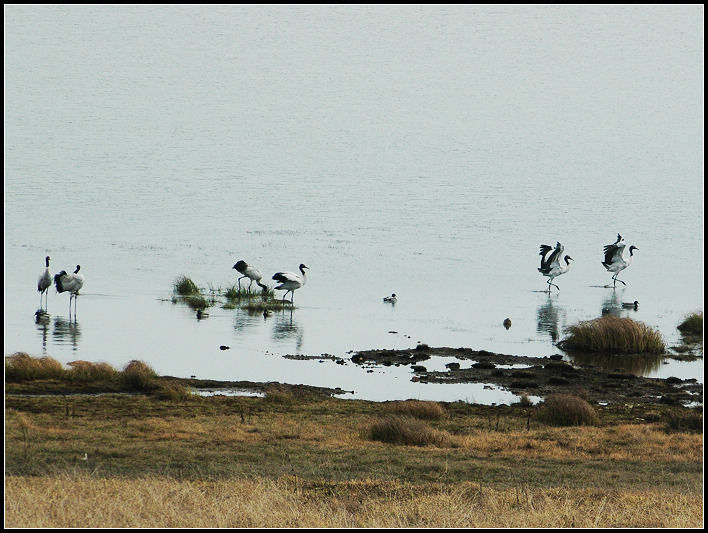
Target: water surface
{"x": 422, "y": 150}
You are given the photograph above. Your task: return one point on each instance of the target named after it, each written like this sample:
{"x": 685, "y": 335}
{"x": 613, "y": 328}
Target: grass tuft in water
{"x": 184, "y": 286}
{"x": 692, "y": 324}
{"x": 611, "y": 334}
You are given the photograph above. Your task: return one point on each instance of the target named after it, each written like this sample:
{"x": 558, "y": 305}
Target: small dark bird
{"x": 202, "y": 314}
{"x": 507, "y": 323}
{"x": 222, "y": 347}
{"x": 631, "y": 305}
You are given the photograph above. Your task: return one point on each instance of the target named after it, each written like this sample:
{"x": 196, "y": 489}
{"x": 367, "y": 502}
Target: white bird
{"x": 43, "y": 283}
{"x": 250, "y": 272}
{"x": 70, "y": 283}
{"x": 614, "y": 262}
{"x": 551, "y": 265}
{"x": 391, "y": 298}
{"x": 290, "y": 281}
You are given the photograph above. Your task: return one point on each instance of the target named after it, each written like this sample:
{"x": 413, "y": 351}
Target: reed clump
{"x": 87, "y": 371}
{"x": 138, "y": 376}
{"x": 23, "y": 367}
{"x": 612, "y": 334}
{"x": 404, "y": 429}
{"x": 567, "y": 410}
{"x": 184, "y": 286}
{"x": 692, "y": 324}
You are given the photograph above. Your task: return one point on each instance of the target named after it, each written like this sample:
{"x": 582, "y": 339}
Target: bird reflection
{"x": 549, "y": 319}
{"x": 286, "y": 328}
{"x": 612, "y": 304}
{"x": 66, "y": 331}
{"x": 42, "y": 320}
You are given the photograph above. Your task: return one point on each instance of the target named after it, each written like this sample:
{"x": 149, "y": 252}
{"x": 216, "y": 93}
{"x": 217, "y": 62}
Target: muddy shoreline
{"x": 538, "y": 376}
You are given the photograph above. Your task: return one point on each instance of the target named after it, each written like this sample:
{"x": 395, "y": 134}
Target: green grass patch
{"x": 184, "y": 286}
{"x": 611, "y": 334}
{"x": 692, "y": 324}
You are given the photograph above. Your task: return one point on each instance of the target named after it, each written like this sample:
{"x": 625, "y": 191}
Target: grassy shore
{"x": 295, "y": 458}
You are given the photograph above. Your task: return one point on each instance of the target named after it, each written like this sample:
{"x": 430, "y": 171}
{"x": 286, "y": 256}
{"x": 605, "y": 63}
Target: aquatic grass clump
{"x": 184, "y": 286}
{"x": 255, "y": 306}
{"x": 23, "y": 367}
{"x": 567, "y": 410}
{"x": 196, "y": 301}
{"x": 404, "y": 429}
{"x": 692, "y": 324}
{"x": 612, "y": 334}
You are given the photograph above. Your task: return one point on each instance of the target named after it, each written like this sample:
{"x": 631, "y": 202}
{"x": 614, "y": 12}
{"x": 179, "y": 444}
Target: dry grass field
{"x": 298, "y": 459}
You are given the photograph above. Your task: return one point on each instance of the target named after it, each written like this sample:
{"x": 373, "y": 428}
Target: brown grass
{"x": 612, "y": 334}
{"x": 403, "y": 429}
{"x": 426, "y": 410}
{"x": 300, "y": 460}
{"x": 63, "y": 501}
{"x": 567, "y": 410}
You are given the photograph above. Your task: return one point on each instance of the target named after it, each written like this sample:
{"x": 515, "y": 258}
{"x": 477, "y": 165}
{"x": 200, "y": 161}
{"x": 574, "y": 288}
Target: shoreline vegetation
{"x": 90, "y": 446}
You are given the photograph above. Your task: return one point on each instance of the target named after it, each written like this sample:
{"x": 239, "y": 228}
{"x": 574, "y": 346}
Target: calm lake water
{"x": 419, "y": 150}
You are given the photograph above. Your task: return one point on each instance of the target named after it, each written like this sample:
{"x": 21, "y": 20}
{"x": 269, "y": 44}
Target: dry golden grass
{"x": 612, "y": 334}
{"x": 293, "y": 460}
{"x": 79, "y": 499}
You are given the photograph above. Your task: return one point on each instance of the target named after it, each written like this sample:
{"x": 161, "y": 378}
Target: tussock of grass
{"x": 258, "y": 305}
{"x": 184, "y": 285}
{"x": 403, "y": 429}
{"x": 23, "y": 367}
{"x": 196, "y": 301}
{"x": 611, "y": 334}
{"x": 234, "y": 293}
{"x": 567, "y": 410}
{"x": 88, "y": 371}
{"x": 415, "y": 408}
{"x": 139, "y": 377}
{"x": 693, "y": 324}
{"x": 136, "y": 376}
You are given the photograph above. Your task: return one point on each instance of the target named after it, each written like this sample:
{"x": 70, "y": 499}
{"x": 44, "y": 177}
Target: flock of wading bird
{"x": 553, "y": 264}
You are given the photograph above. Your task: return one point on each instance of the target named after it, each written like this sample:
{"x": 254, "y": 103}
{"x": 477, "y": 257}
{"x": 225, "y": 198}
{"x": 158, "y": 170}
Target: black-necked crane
{"x": 70, "y": 283}
{"x": 250, "y": 272}
{"x": 551, "y": 265}
{"x": 43, "y": 284}
{"x": 614, "y": 262}
{"x": 290, "y": 281}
